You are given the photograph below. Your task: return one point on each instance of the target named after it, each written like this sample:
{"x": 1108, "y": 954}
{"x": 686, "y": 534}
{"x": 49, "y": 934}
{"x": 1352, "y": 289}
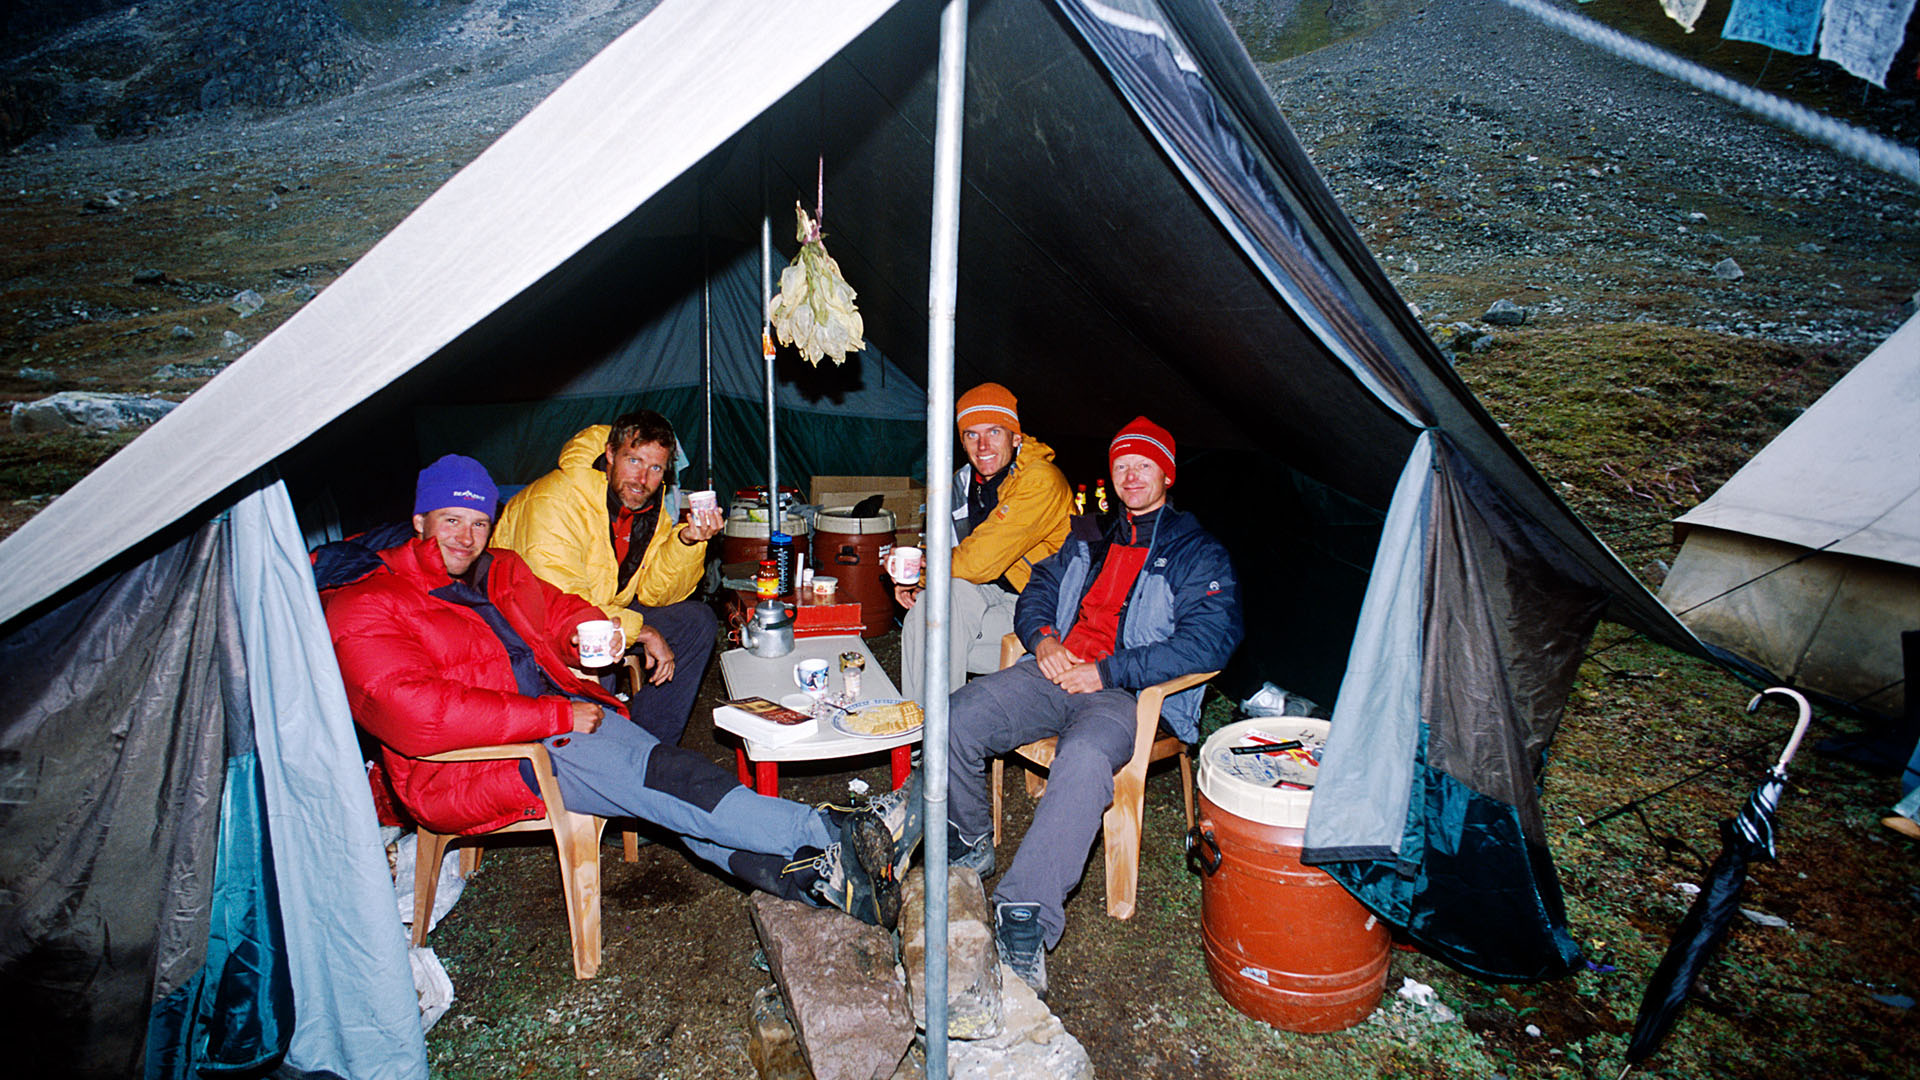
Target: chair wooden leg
{"x": 430, "y": 849}
{"x": 998, "y": 771}
{"x": 1122, "y": 827}
{"x": 630, "y": 841}
{"x": 578, "y": 839}
{"x": 470, "y": 858}
{"x": 1186, "y": 784}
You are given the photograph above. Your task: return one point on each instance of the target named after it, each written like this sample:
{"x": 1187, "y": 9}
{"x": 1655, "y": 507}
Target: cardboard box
{"x": 898, "y": 494}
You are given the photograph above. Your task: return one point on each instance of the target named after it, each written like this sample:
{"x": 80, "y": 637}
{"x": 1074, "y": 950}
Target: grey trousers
{"x": 981, "y": 616}
{"x": 623, "y": 771}
{"x": 992, "y": 715}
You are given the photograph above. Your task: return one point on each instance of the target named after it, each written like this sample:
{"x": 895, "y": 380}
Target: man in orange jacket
{"x": 1010, "y": 510}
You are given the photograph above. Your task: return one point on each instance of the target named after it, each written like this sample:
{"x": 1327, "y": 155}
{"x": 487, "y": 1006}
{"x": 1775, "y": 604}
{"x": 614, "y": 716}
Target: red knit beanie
{"x": 988, "y": 402}
{"x": 1146, "y": 438}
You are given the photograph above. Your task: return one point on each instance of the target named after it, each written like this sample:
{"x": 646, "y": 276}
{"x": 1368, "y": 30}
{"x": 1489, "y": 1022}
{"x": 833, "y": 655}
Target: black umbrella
{"x": 1746, "y": 836}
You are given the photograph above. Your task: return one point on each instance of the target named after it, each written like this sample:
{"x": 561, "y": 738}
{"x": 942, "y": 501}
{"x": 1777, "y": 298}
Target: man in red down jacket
{"x": 445, "y": 644}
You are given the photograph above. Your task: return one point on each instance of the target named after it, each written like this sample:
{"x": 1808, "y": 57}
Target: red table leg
{"x": 740, "y": 762}
{"x": 902, "y": 765}
{"x": 766, "y": 777}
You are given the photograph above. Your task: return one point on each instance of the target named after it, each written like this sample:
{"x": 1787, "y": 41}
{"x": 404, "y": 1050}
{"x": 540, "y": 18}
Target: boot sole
{"x": 873, "y": 847}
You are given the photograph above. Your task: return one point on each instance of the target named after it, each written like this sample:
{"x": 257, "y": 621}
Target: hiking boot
{"x": 1022, "y": 942}
{"x": 874, "y": 855}
{"x": 977, "y": 856}
{"x": 836, "y": 878}
{"x": 901, "y": 811}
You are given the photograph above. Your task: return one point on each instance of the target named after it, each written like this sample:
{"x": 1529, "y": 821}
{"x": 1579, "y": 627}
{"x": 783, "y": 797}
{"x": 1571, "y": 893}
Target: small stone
{"x": 1033, "y": 1044}
{"x": 231, "y": 340}
{"x": 303, "y": 292}
{"x": 1809, "y": 248}
{"x": 39, "y": 375}
{"x": 1505, "y": 312}
{"x": 1728, "y": 270}
{"x": 181, "y": 333}
{"x": 246, "y": 302}
{"x": 149, "y": 276}
{"x": 1898, "y": 1001}
{"x": 167, "y": 372}
{"x": 1534, "y": 1030}
{"x": 1764, "y": 919}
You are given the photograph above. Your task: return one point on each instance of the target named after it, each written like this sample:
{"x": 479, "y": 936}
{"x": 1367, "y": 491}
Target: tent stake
{"x": 943, "y": 273}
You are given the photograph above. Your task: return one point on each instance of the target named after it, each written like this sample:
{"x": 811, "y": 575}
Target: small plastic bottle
{"x": 1080, "y": 500}
{"x": 1100, "y": 495}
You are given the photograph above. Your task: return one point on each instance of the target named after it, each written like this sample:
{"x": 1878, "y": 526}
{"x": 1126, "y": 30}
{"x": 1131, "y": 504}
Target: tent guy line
{"x": 1862, "y": 146}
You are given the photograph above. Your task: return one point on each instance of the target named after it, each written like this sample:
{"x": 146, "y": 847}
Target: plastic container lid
{"x": 1282, "y": 807}
{"x": 840, "y": 519}
{"x": 742, "y": 523}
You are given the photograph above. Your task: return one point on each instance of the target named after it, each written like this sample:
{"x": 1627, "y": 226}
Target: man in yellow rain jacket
{"x": 1010, "y": 509}
{"x": 597, "y": 527}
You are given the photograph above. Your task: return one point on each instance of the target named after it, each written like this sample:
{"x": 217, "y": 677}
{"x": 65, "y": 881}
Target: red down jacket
{"x": 426, "y": 675}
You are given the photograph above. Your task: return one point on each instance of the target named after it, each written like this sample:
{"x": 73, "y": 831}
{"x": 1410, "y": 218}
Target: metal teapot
{"x": 769, "y": 632}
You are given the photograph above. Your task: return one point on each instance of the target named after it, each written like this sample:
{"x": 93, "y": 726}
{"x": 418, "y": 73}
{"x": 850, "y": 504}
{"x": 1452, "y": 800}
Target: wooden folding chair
{"x": 1122, "y": 823}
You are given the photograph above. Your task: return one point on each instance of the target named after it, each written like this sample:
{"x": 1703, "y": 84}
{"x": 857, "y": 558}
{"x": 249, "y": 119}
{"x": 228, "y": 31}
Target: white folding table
{"x": 747, "y": 675}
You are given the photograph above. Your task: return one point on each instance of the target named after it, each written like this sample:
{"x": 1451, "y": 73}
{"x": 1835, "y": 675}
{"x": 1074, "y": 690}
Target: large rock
{"x": 82, "y": 410}
{"x": 973, "y": 964}
{"x": 1505, "y": 312}
{"x": 1034, "y": 1044}
{"x": 842, "y": 984}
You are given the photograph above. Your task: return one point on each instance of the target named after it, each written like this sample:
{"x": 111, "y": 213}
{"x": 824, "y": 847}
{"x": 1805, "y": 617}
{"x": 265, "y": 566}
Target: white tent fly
{"x": 1807, "y": 561}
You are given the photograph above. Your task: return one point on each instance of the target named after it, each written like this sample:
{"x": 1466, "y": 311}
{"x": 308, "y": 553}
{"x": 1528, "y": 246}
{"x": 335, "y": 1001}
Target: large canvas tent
{"x": 1140, "y": 232}
{"x": 1806, "y": 562}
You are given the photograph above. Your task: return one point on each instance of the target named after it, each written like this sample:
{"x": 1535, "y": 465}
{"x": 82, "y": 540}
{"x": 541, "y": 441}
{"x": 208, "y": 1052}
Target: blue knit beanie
{"x": 455, "y": 481}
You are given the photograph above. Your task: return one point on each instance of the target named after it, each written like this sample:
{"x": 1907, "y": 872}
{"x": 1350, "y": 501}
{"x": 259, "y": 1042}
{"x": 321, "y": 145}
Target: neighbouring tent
{"x": 1806, "y": 563}
{"x": 1140, "y": 232}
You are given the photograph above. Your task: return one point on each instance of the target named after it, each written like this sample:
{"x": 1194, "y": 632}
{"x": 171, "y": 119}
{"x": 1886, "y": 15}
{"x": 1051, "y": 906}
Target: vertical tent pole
{"x": 706, "y": 357}
{"x": 943, "y": 272}
{"x": 774, "y": 521}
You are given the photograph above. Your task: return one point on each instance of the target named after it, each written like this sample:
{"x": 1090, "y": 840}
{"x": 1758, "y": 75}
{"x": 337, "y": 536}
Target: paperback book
{"x": 763, "y": 721}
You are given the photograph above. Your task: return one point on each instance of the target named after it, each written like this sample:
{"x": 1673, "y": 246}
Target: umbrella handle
{"x": 1799, "y": 729}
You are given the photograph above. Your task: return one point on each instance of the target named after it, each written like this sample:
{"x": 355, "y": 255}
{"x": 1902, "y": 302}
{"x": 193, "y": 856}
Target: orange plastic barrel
{"x": 1285, "y": 943}
{"x": 854, "y": 550}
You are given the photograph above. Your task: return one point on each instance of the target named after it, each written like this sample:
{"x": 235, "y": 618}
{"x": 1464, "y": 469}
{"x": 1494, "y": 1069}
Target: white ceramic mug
{"x": 903, "y": 565}
{"x": 811, "y": 676}
{"x": 597, "y": 641}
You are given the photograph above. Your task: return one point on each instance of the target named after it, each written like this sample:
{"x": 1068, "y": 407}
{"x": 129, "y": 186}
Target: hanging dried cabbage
{"x": 814, "y": 311}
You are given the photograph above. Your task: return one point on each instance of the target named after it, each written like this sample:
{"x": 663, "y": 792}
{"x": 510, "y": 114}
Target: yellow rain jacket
{"x": 559, "y": 525}
{"x": 1028, "y": 524}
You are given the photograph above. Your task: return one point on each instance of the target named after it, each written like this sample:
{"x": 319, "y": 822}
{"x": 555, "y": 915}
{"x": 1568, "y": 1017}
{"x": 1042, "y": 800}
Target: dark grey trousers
{"x": 996, "y": 713}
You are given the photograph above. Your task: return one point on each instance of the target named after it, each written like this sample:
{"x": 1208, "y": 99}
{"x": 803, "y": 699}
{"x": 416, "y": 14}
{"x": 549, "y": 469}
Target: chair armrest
{"x": 1010, "y": 649}
{"x": 531, "y": 751}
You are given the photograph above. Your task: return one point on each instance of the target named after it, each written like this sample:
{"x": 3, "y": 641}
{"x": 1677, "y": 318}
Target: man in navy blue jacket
{"x": 1149, "y": 597}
